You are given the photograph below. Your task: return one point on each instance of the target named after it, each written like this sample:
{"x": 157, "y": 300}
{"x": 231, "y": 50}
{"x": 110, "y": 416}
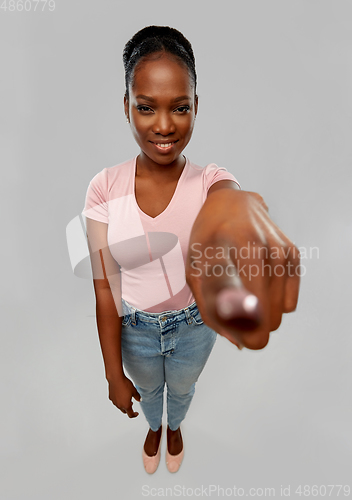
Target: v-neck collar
{"x": 172, "y": 201}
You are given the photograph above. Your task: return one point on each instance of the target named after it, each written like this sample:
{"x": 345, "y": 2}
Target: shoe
{"x": 151, "y": 463}
{"x": 173, "y": 462}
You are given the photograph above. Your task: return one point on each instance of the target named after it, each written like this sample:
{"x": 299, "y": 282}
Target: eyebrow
{"x": 177, "y": 99}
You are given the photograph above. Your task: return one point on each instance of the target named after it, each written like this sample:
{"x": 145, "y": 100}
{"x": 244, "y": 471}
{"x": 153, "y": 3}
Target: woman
{"x": 149, "y": 216}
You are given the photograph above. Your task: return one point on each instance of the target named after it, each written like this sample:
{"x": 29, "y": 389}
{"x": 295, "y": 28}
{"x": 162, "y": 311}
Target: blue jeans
{"x": 171, "y": 347}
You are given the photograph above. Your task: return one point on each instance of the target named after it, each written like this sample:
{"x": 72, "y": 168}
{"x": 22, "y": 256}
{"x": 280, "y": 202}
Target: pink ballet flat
{"x": 151, "y": 463}
{"x": 173, "y": 462}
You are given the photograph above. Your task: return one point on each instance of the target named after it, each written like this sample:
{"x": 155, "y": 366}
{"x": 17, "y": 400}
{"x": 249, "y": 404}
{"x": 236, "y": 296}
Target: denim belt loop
{"x": 188, "y": 315}
{"x": 133, "y": 316}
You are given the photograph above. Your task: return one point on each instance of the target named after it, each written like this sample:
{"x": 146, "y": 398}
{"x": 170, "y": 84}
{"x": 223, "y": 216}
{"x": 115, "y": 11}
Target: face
{"x": 161, "y": 109}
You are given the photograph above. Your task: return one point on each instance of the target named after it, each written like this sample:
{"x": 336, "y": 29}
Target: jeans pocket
{"x": 126, "y": 320}
{"x": 197, "y": 317}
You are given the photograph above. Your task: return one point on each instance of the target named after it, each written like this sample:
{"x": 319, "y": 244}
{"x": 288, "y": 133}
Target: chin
{"x": 163, "y": 159}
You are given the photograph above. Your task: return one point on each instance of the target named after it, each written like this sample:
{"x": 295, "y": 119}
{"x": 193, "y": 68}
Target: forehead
{"x": 161, "y": 75}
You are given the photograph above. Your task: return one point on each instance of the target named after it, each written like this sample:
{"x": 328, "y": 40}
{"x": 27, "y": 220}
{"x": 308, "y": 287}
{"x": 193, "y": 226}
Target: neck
{"x": 146, "y": 166}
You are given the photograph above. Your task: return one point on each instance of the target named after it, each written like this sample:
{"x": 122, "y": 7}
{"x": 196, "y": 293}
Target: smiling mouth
{"x": 164, "y": 146}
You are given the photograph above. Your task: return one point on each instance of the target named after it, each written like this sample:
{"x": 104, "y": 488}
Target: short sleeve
{"x": 213, "y": 173}
{"x": 96, "y": 203}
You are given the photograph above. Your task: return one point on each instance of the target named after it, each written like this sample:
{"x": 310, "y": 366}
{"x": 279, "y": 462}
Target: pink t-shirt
{"x": 151, "y": 251}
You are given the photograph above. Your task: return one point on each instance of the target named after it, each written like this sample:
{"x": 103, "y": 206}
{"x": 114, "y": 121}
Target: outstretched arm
{"x": 242, "y": 269}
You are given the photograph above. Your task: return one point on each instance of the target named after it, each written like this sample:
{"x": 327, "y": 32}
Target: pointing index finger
{"x": 239, "y": 306}
{"x": 233, "y": 302}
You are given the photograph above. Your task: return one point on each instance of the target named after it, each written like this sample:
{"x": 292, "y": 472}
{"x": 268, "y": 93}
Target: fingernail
{"x": 250, "y": 303}
{"x": 232, "y": 302}
{"x": 229, "y": 302}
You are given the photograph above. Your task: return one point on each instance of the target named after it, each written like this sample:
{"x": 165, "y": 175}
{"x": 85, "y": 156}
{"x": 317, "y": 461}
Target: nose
{"x": 163, "y": 124}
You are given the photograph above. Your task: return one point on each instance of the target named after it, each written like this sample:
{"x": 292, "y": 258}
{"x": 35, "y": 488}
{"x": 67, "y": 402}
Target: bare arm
{"x": 108, "y": 298}
{"x": 107, "y": 287}
{"x": 109, "y": 330}
{"x": 242, "y": 297}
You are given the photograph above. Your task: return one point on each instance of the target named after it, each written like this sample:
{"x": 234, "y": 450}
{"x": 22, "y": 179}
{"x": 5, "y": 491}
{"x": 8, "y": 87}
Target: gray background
{"x": 275, "y": 108}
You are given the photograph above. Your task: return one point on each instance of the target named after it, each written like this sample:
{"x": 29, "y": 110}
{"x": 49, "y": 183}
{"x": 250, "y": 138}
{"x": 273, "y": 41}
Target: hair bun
{"x": 153, "y": 39}
{"x": 160, "y": 32}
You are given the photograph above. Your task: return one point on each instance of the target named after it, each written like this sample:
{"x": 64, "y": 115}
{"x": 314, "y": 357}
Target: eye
{"x": 144, "y": 109}
{"x": 183, "y": 109}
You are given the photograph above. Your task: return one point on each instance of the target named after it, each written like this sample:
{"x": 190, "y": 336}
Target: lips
{"x": 164, "y": 147}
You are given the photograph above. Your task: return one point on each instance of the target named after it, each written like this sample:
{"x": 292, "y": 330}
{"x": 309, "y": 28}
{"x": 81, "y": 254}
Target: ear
{"x": 195, "y": 104}
{"x": 126, "y": 106}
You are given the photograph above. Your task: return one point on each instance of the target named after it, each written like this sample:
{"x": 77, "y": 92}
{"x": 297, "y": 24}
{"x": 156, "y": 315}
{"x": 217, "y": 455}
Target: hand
{"x": 242, "y": 270}
{"x": 121, "y": 392}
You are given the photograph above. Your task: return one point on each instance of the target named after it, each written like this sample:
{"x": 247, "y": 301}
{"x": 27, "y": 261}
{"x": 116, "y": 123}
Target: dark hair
{"x": 153, "y": 39}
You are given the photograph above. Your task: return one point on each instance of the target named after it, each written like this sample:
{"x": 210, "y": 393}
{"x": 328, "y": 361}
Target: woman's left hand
{"x": 242, "y": 270}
